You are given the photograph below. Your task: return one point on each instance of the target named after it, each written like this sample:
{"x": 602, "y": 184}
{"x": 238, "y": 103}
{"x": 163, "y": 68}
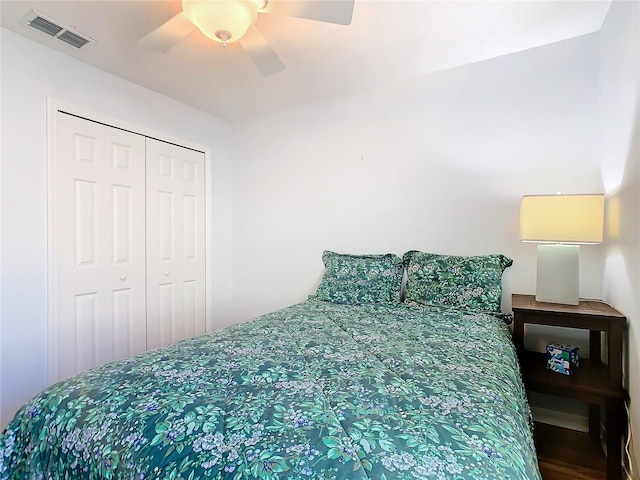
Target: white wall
{"x": 30, "y": 74}
{"x": 437, "y": 164}
{"x": 620, "y": 115}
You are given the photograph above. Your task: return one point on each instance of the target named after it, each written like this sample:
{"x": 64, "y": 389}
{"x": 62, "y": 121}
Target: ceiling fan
{"x": 227, "y": 21}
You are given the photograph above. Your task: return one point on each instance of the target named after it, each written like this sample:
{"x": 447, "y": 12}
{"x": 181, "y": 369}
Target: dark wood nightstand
{"x": 596, "y": 383}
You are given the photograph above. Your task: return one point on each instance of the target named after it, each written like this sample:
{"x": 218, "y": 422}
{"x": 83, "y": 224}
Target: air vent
{"x": 72, "y": 39}
{"x": 57, "y": 30}
{"x": 45, "y": 26}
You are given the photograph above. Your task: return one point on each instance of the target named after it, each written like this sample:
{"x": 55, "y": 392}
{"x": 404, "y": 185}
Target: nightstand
{"x": 596, "y": 383}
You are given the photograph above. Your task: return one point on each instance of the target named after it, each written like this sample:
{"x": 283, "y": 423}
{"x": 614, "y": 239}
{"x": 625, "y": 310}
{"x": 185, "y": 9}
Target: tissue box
{"x": 562, "y": 358}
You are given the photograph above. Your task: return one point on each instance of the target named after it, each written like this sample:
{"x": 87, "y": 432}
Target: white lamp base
{"x": 558, "y": 274}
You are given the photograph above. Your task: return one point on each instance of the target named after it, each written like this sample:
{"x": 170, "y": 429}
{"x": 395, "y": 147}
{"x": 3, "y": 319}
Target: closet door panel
{"x": 98, "y": 246}
{"x": 175, "y": 243}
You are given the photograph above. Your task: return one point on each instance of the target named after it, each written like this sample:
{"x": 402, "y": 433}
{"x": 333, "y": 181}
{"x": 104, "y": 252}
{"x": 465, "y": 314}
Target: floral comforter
{"x": 313, "y": 391}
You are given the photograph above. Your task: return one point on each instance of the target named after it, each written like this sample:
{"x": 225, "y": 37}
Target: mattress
{"x": 317, "y": 390}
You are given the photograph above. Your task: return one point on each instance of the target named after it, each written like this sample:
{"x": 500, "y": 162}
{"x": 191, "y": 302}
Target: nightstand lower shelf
{"x": 557, "y": 443}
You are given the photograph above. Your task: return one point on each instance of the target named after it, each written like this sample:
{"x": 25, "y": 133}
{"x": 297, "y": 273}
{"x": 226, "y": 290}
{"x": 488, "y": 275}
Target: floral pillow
{"x": 358, "y": 279}
{"x": 466, "y": 283}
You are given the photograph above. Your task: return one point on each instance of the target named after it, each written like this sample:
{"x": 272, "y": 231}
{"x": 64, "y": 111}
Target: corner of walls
{"x": 222, "y": 233}
{"x": 619, "y": 77}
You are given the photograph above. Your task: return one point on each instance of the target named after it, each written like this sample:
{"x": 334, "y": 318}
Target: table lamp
{"x": 561, "y": 223}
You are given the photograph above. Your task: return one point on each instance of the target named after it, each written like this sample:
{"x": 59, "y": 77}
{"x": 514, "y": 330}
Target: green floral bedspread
{"x": 313, "y": 391}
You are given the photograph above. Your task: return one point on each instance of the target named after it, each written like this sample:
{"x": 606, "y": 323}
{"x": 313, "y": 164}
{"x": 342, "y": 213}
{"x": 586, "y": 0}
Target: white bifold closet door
{"x": 175, "y": 243}
{"x": 98, "y": 233}
{"x": 128, "y": 243}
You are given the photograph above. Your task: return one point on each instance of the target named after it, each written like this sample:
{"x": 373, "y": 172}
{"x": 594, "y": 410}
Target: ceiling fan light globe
{"x": 212, "y": 16}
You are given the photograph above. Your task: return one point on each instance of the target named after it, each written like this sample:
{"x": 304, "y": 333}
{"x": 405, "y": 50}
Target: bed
{"x": 325, "y": 389}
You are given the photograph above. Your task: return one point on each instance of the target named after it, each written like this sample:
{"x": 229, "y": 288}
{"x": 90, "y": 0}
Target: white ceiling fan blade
{"x": 331, "y": 11}
{"x": 262, "y": 55}
{"x": 168, "y": 34}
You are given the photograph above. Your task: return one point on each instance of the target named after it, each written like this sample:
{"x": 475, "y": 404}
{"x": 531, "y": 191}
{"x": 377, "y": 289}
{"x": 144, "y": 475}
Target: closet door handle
{"x": 166, "y": 274}
{"x": 123, "y": 278}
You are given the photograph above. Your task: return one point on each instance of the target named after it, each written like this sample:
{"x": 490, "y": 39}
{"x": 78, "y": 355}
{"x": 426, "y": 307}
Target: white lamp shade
{"x": 213, "y": 16}
{"x": 562, "y": 218}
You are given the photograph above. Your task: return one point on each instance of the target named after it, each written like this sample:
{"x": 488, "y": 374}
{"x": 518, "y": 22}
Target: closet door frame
{"x": 53, "y": 107}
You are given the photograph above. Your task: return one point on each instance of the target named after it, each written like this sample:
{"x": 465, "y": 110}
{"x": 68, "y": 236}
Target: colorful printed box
{"x": 562, "y": 358}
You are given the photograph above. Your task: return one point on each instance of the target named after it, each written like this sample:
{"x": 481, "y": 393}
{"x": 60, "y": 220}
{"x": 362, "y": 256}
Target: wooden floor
{"x": 555, "y": 470}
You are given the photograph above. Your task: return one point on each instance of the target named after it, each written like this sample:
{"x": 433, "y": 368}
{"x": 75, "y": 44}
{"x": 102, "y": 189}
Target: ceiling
{"x": 387, "y": 42}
